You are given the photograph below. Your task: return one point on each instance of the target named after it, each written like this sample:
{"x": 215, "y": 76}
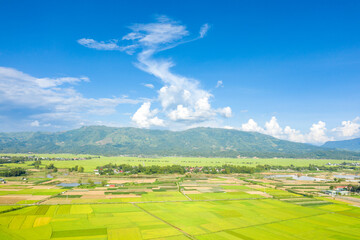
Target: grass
{"x": 33, "y": 192}
{"x": 255, "y": 219}
{"x": 277, "y": 193}
{"x": 148, "y": 197}
{"x": 222, "y": 196}
{"x": 68, "y": 196}
{"x": 7, "y": 208}
{"x": 91, "y": 164}
{"x": 236, "y": 219}
{"x": 27, "y": 201}
{"x": 286, "y": 216}
{"x": 112, "y": 221}
{"x": 236, "y": 187}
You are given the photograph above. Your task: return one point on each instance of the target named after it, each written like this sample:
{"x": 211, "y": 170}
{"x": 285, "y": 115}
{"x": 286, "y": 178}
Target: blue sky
{"x": 289, "y": 69}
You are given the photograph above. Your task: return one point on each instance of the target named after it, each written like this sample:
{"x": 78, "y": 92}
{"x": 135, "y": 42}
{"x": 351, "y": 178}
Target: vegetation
{"x": 77, "y": 169}
{"x": 351, "y": 145}
{"x": 204, "y": 142}
{"x": 126, "y": 169}
{"x": 226, "y": 199}
{"x": 12, "y": 172}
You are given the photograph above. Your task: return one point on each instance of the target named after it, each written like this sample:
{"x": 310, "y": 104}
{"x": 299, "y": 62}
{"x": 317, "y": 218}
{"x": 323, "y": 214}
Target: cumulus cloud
{"x": 51, "y": 99}
{"x": 273, "y": 128}
{"x": 144, "y": 117}
{"x": 251, "y": 126}
{"x": 348, "y": 128}
{"x": 317, "y": 133}
{"x": 226, "y": 112}
{"x": 181, "y": 98}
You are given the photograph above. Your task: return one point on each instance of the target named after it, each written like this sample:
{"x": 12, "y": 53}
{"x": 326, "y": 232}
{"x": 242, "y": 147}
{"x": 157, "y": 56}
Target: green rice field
{"x": 173, "y": 206}
{"x": 91, "y": 164}
{"x": 240, "y": 219}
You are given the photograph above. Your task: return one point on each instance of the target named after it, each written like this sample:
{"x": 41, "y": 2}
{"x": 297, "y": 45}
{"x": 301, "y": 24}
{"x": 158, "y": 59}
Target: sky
{"x": 289, "y": 69}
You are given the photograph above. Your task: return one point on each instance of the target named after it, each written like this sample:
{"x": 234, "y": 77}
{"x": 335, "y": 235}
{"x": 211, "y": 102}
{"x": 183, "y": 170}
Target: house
{"x": 330, "y": 192}
{"x": 342, "y": 192}
{"x": 96, "y": 171}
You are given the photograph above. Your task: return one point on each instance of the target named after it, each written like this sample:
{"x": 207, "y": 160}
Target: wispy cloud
{"x": 219, "y": 84}
{"x": 48, "y": 100}
{"x": 91, "y": 43}
{"x": 182, "y": 100}
{"x": 149, "y": 85}
{"x": 203, "y": 30}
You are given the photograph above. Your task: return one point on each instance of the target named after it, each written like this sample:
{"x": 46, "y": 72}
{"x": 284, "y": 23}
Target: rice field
{"x": 91, "y": 164}
{"x": 240, "y": 219}
{"x": 171, "y": 207}
{"x": 115, "y": 221}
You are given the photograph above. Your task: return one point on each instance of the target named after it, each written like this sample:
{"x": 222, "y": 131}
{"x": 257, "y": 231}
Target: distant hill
{"x": 351, "y": 145}
{"x": 202, "y": 142}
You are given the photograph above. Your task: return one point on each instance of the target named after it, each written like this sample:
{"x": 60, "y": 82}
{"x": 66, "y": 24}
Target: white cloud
{"x": 219, "y": 84}
{"x": 49, "y": 99}
{"x": 149, "y": 85}
{"x": 251, "y": 126}
{"x": 294, "y": 135}
{"x": 181, "y": 113}
{"x": 226, "y": 112}
{"x": 35, "y": 123}
{"x": 228, "y": 127}
{"x": 181, "y": 98}
{"x": 91, "y": 43}
{"x": 348, "y": 128}
{"x": 317, "y": 133}
{"x": 53, "y": 82}
{"x": 144, "y": 117}
{"x": 273, "y": 128}
{"x": 203, "y": 30}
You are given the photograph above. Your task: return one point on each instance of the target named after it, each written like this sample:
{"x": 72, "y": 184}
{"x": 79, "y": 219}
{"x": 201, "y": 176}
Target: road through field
{"x": 182, "y": 231}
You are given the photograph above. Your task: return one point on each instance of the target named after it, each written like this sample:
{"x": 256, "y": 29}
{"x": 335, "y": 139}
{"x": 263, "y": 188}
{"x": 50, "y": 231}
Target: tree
{"x": 13, "y": 172}
{"x": 50, "y": 166}
{"x": 91, "y": 182}
{"x": 103, "y": 183}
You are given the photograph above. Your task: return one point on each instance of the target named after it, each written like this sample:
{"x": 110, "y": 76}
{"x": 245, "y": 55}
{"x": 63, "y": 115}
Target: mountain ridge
{"x": 350, "y": 145}
{"x": 195, "y": 142}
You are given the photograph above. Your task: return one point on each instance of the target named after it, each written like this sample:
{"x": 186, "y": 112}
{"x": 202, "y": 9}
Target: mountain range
{"x": 196, "y": 142}
{"x": 351, "y": 145}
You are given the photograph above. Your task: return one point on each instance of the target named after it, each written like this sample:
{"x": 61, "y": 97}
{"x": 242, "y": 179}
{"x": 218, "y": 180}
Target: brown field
{"x": 12, "y": 199}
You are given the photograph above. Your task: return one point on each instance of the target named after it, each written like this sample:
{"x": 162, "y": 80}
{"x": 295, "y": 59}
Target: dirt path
{"x": 179, "y": 229}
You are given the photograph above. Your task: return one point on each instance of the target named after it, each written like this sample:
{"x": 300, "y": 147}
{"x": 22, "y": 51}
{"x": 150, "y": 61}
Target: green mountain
{"x": 351, "y": 145}
{"x": 204, "y": 142}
